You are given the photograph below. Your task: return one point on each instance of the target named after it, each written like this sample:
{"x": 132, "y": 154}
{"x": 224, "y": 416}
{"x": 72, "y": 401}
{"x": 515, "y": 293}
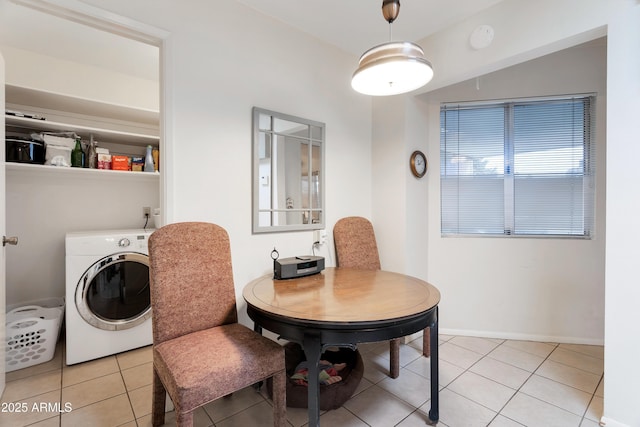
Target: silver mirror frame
{"x": 255, "y": 182}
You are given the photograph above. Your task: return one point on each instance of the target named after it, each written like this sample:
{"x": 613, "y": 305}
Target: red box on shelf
{"x": 120, "y": 163}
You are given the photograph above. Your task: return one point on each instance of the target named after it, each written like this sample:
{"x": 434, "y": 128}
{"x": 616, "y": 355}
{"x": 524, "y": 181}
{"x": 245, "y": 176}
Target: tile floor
{"x": 483, "y": 382}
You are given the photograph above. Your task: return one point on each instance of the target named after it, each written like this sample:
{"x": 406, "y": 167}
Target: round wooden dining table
{"x": 344, "y": 307}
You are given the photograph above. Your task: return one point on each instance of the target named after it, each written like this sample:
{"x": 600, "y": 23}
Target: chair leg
{"x": 158, "y": 401}
{"x": 184, "y": 419}
{"x": 426, "y": 342}
{"x": 394, "y": 358}
{"x": 279, "y": 397}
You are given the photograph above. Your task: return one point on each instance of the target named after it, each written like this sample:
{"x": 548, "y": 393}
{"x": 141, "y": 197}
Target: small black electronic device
{"x": 289, "y": 268}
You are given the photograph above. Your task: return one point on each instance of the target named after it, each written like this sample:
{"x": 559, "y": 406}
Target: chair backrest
{"x": 191, "y": 279}
{"x": 355, "y": 244}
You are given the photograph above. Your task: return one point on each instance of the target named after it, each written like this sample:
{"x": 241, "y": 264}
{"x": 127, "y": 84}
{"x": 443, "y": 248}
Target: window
{"x": 518, "y": 168}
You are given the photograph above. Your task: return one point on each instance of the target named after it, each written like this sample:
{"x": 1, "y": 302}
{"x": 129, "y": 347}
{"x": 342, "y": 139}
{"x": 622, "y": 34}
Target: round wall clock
{"x": 418, "y": 164}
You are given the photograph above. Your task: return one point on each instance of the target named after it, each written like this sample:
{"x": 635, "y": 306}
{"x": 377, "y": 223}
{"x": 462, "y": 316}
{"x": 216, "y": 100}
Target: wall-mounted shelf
{"x": 106, "y": 122}
{"x": 18, "y": 168}
{"x": 85, "y": 132}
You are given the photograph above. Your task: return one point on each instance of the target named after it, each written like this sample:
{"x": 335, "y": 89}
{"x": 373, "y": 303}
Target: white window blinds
{"x": 519, "y": 167}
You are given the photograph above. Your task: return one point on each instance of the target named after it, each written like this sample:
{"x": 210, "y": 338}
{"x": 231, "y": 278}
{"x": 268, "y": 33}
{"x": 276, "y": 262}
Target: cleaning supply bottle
{"x": 77, "y": 155}
{"x": 148, "y": 160}
{"x": 91, "y": 160}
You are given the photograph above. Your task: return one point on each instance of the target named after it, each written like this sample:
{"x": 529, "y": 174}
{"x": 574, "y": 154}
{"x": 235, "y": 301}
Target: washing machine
{"x": 108, "y": 308}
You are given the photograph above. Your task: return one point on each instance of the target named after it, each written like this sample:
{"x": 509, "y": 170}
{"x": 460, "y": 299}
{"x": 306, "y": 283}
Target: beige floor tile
{"x": 457, "y": 355}
{"x": 457, "y": 410}
{"x": 228, "y": 406}
{"x": 200, "y": 419}
{"x": 260, "y": 415}
{"x": 600, "y": 390}
{"x": 114, "y": 411}
{"x": 364, "y": 384}
{"x": 596, "y": 351}
{"x": 481, "y": 390}
{"x": 446, "y": 371}
{"x": 374, "y": 347}
{"x": 419, "y": 418}
{"x": 33, "y": 385}
{"x": 376, "y": 368}
{"x": 538, "y": 348}
{"x": 596, "y": 409}
{"x": 555, "y": 393}
{"x": 341, "y": 417}
{"x": 298, "y": 417}
{"x": 80, "y": 372}
{"x": 501, "y": 372}
{"x": 92, "y": 391}
{"x": 409, "y": 386}
{"x": 530, "y": 411}
{"x": 578, "y": 360}
{"x": 136, "y": 357}
{"x": 141, "y": 400}
{"x": 27, "y": 414}
{"x": 589, "y": 423}
{"x": 502, "y": 421}
{"x": 515, "y": 357}
{"x": 49, "y": 422}
{"x": 408, "y": 354}
{"x": 138, "y": 376}
{"x": 478, "y": 345}
{"x": 378, "y": 408}
{"x": 577, "y": 378}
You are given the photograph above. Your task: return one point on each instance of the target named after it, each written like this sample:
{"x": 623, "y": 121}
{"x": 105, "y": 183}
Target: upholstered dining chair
{"x": 355, "y": 243}
{"x": 200, "y": 351}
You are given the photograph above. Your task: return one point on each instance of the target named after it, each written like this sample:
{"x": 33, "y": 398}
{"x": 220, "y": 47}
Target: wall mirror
{"x": 288, "y": 173}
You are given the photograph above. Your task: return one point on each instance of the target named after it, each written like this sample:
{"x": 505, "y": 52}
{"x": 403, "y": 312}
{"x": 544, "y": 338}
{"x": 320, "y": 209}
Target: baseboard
{"x": 521, "y": 337}
{"x": 608, "y": 422}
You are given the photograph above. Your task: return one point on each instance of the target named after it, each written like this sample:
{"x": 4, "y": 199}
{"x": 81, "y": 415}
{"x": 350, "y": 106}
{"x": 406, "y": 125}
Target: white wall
{"x": 43, "y": 206}
{"x": 43, "y": 72}
{"x": 622, "y": 344}
{"x": 553, "y": 288}
{"x": 225, "y": 58}
{"x": 526, "y": 30}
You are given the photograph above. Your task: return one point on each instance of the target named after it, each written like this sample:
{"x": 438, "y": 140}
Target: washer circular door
{"x": 113, "y": 294}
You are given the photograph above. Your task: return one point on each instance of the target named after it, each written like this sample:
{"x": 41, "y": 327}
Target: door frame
{"x": 104, "y": 20}
{"x": 123, "y": 26}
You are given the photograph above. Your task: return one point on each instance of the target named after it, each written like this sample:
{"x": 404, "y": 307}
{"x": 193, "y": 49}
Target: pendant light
{"x": 394, "y": 67}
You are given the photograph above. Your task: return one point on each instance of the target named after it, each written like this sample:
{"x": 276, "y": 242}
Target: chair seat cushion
{"x": 205, "y": 365}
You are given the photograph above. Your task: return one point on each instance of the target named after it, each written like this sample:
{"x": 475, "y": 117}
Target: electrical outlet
{"x": 320, "y": 236}
{"x": 146, "y": 211}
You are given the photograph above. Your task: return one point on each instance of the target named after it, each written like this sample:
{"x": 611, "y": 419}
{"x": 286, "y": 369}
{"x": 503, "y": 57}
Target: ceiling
{"x": 357, "y": 25}
{"x": 352, "y": 25}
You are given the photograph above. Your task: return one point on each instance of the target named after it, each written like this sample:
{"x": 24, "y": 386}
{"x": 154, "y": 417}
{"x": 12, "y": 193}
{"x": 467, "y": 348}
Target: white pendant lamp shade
{"x": 392, "y": 68}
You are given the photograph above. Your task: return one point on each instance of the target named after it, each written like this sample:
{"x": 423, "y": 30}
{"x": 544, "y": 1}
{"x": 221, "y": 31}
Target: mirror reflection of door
{"x": 288, "y": 190}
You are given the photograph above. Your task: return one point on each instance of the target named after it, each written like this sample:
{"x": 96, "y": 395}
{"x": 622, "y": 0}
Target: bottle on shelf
{"x": 156, "y": 158}
{"x": 77, "y": 155}
{"x": 92, "y": 155}
{"x": 148, "y": 160}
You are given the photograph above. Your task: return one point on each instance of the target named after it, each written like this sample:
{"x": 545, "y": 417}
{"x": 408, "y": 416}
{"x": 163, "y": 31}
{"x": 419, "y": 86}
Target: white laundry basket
{"x": 31, "y": 334}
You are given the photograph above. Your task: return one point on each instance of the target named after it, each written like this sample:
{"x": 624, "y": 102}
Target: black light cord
{"x": 146, "y": 221}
